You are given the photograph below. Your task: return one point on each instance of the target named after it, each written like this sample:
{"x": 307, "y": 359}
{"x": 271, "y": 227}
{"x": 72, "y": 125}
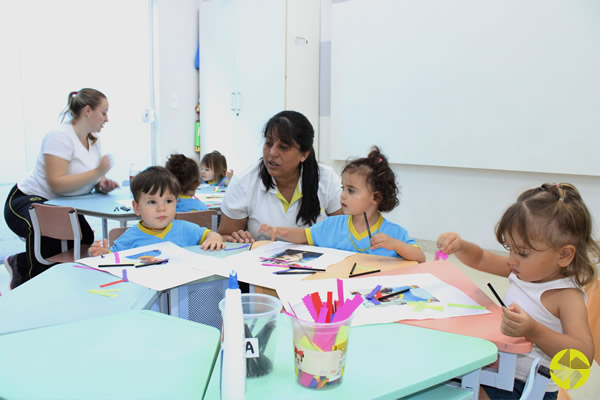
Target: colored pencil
{"x": 496, "y": 294}
{"x": 368, "y": 228}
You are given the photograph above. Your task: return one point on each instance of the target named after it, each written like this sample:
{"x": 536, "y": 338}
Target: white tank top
{"x": 528, "y": 296}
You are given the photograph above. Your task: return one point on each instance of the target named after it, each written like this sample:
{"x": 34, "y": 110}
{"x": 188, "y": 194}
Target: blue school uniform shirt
{"x": 188, "y": 203}
{"x": 338, "y": 232}
{"x": 182, "y": 233}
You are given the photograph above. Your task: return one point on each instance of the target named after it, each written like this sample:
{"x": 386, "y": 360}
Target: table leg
{"x": 470, "y": 381}
{"x": 504, "y": 376}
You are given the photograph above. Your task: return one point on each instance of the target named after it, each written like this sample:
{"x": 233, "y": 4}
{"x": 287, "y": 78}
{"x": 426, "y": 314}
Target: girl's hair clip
{"x": 379, "y": 160}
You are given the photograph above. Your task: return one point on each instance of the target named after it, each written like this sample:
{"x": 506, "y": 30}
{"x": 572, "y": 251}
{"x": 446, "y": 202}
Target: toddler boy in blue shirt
{"x": 155, "y": 192}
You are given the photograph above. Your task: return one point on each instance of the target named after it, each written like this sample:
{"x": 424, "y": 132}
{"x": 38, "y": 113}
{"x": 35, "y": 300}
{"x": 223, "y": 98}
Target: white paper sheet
{"x": 183, "y": 267}
{"x": 250, "y": 269}
{"x": 446, "y": 295}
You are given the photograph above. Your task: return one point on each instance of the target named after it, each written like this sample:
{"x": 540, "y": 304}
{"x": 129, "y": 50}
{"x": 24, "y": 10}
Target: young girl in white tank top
{"x": 552, "y": 258}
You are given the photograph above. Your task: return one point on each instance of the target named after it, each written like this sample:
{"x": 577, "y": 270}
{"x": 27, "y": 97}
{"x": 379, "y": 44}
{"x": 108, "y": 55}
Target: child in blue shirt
{"x": 187, "y": 173}
{"x": 155, "y": 195}
{"x": 213, "y": 169}
{"x": 368, "y": 188}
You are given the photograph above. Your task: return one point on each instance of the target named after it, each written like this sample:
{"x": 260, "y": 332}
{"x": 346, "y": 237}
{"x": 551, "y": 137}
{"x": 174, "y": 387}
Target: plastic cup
{"x": 261, "y": 312}
{"x": 134, "y": 169}
{"x": 320, "y": 352}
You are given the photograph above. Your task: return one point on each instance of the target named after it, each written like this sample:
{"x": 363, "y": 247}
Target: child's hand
{"x": 228, "y": 175}
{"x": 99, "y": 248}
{"x": 273, "y": 231}
{"x": 213, "y": 241}
{"x": 379, "y": 240}
{"x": 449, "y": 242}
{"x": 516, "y": 322}
{"x": 240, "y": 236}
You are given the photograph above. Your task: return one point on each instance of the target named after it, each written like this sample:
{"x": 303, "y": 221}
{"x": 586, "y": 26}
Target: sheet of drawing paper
{"x": 183, "y": 267}
{"x": 427, "y": 298}
{"x": 250, "y": 268}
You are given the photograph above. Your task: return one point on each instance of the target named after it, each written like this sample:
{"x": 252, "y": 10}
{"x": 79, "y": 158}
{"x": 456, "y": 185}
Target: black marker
{"x": 496, "y": 294}
{"x": 368, "y": 228}
{"x": 115, "y": 265}
{"x": 352, "y": 270}
{"x": 294, "y": 266}
{"x": 288, "y": 272}
{"x": 387, "y": 296}
{"x": 365, "y": 273}
{"x": 166, "y": 260}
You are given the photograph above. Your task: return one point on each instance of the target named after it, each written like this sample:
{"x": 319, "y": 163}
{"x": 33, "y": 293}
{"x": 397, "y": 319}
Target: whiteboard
{"x": 508, "y": 85}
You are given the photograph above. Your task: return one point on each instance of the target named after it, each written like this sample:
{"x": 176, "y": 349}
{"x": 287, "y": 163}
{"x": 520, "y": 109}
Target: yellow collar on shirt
{"x": 181, "y": 196}
{"x": 374, "y": 228}
{"x": 161, "y": 235}
{"x": 295, "y": 197}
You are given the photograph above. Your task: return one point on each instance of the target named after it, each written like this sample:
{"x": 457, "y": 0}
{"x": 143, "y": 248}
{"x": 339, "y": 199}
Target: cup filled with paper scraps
{"x": 321, "y": 329}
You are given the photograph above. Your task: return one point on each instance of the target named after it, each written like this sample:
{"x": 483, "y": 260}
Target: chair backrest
{"x": 55, "y": 221}
{"x": 115, "y": 233}
{"x": 207, "y": 219}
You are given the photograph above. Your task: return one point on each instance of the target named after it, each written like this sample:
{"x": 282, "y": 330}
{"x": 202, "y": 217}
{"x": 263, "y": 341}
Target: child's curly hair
{"x": 185, "y": 170}
{"x": 379, "y": 176}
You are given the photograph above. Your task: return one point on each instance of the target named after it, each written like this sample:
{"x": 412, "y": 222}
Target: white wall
{"x": 176, "y": 30}
{"x": 433, "y": 200}
{"x": 469, "y": 201}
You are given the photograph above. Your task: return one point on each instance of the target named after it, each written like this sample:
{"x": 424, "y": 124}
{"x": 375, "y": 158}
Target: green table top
{"x": 130, "y": 355}
{"x": 385, "y": 361}
{"x": 60, "y": 295}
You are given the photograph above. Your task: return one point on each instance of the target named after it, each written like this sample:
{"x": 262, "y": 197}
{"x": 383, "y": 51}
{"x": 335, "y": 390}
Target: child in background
{"x": 187, "y": 173}
{"x": 213, "y": 169}
{"x": 368, "y": 188}
{"x": 155, "y": 193}
{"x": 552, "y": 257}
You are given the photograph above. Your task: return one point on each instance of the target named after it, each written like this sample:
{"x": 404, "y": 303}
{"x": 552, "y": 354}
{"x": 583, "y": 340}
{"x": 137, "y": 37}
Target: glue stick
{"x": 233, "y": 361}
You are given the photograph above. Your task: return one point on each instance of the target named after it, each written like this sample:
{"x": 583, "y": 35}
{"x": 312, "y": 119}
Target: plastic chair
{"x": 538, "y": 377}
{"x": 207, "y": 219}
{"x": 115, "y": 233}
{"x": 57, "y": 223}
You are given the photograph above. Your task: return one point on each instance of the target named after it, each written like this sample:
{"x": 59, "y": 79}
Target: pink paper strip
{"x": 117, "y": 258}
{"x": 440, "y": 254}
{"x": 348, "y": 308}
{"x": 322, "y": 314}
{"x": 340, "y": 288}
{"x": 307, "y": 300}
{"x": 305, "y": 379}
